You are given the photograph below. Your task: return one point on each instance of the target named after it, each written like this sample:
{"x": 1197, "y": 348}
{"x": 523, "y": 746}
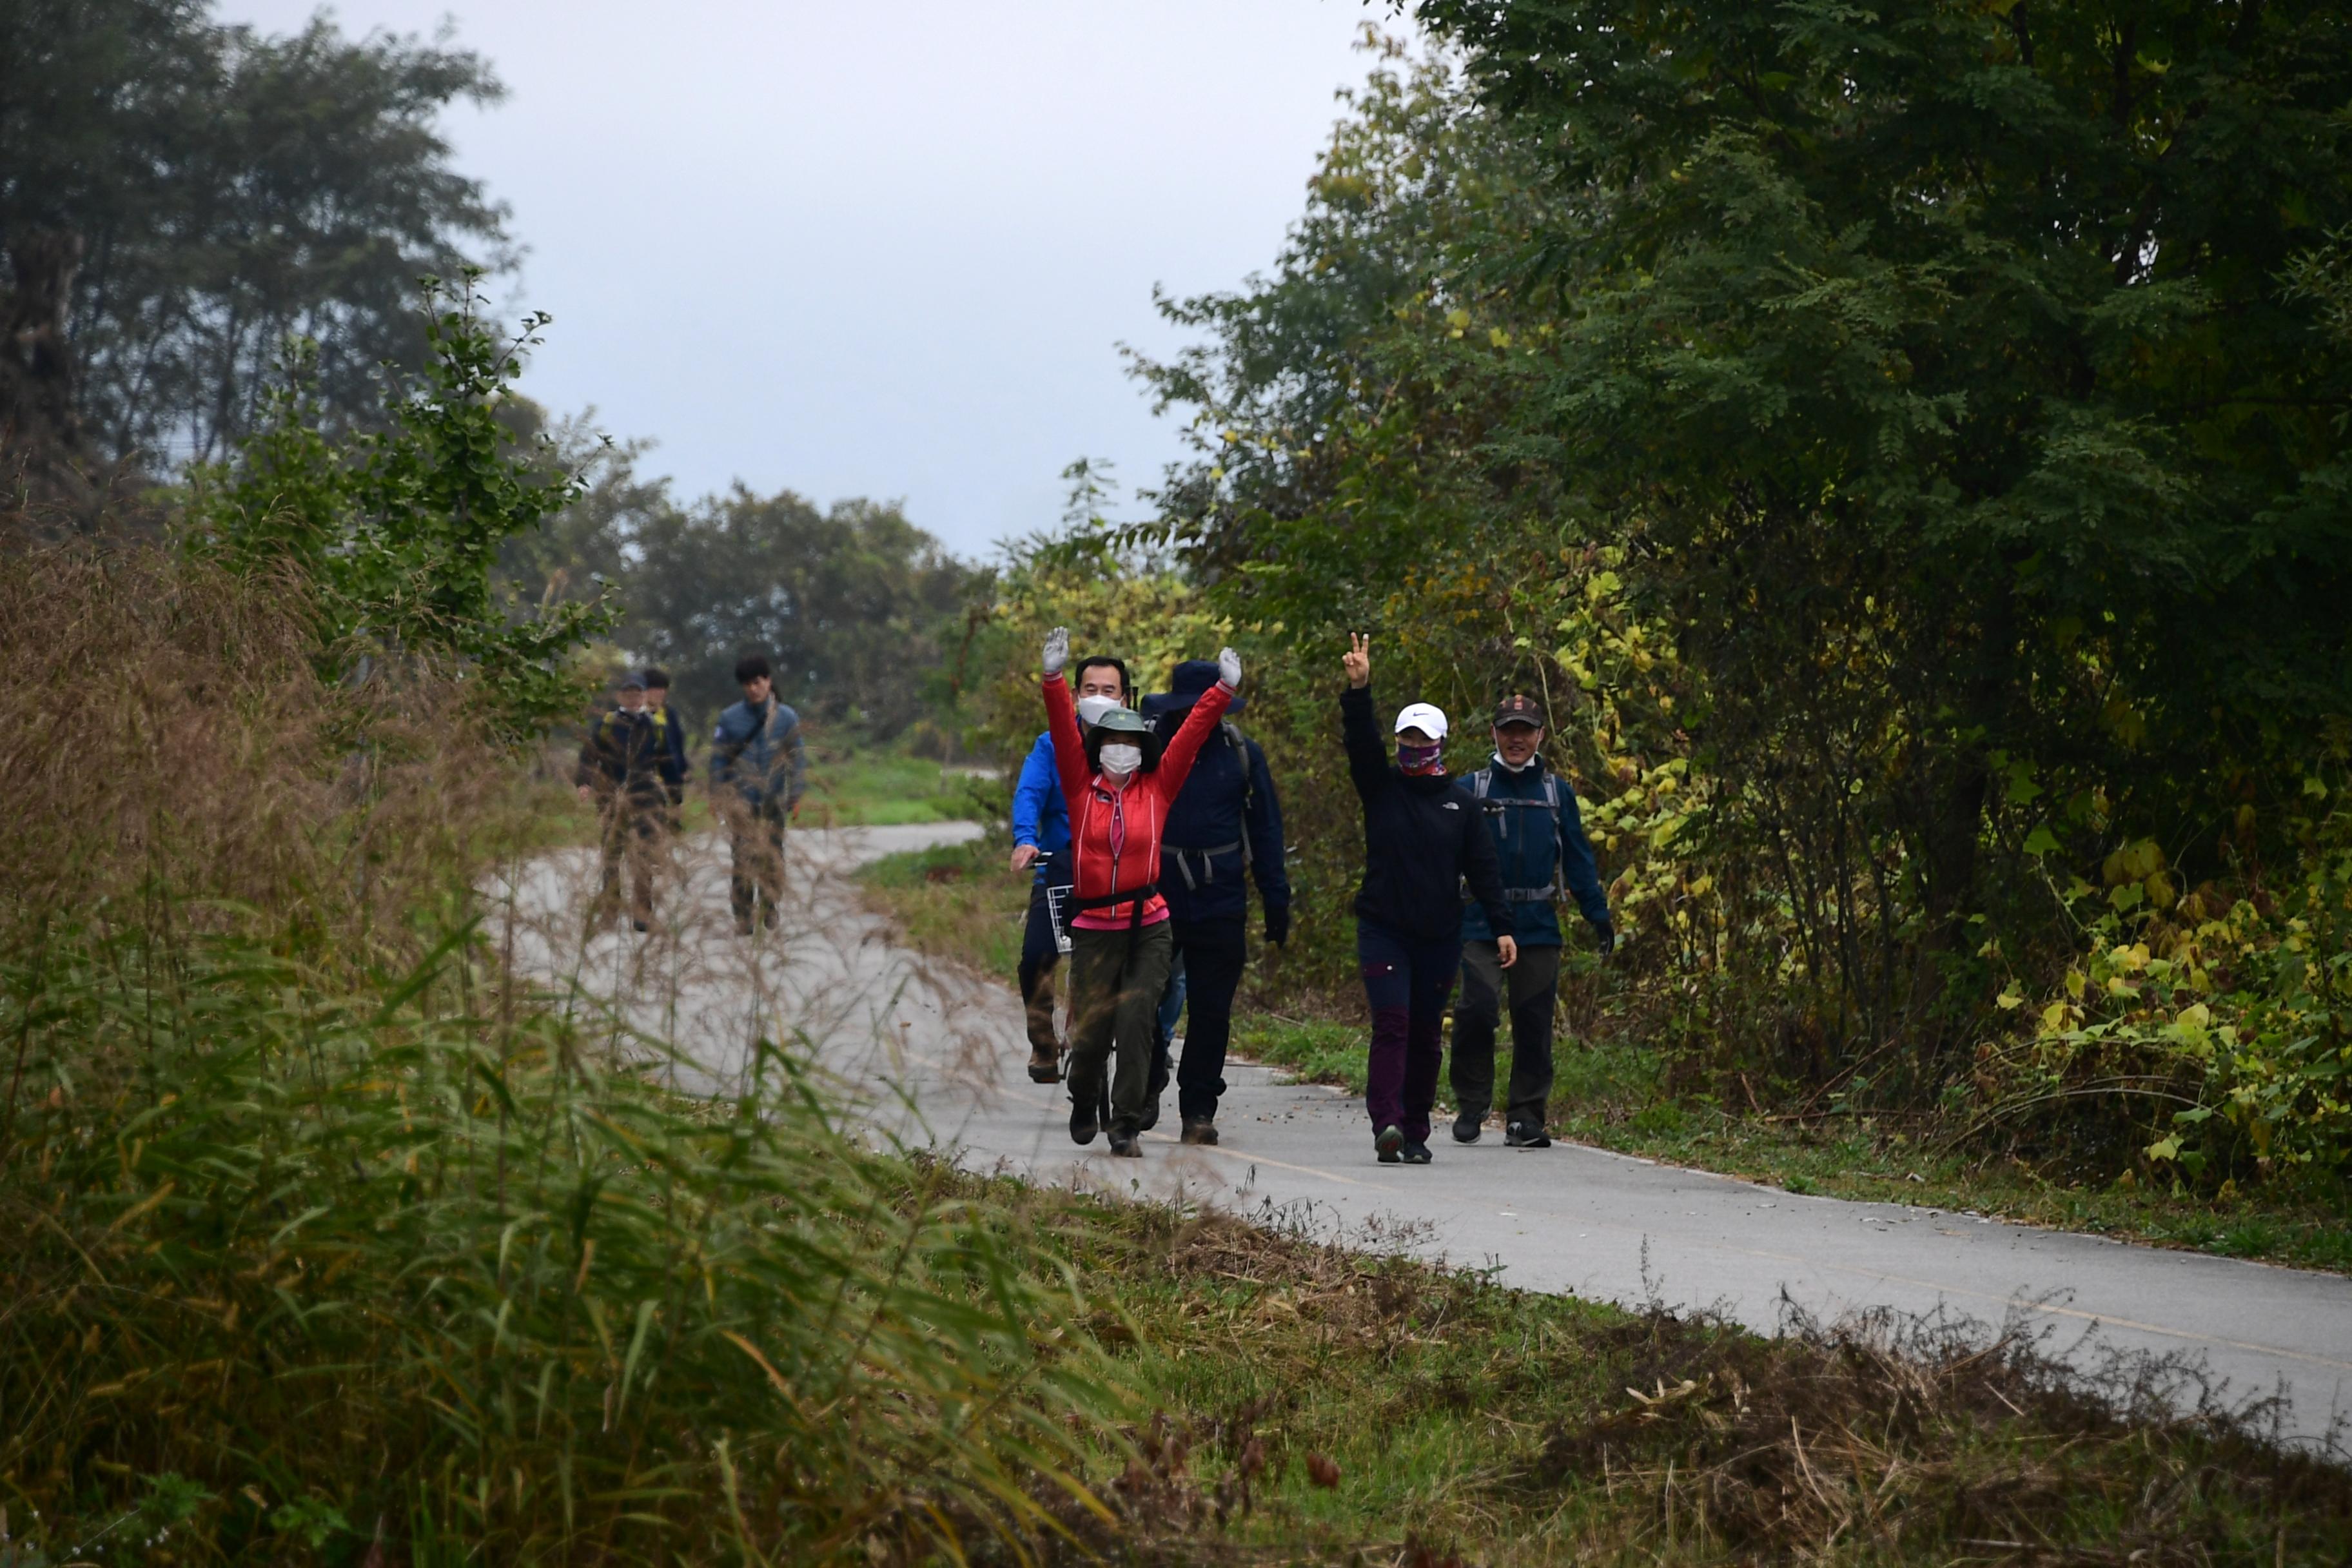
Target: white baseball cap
{"x": 1426, "y": 717}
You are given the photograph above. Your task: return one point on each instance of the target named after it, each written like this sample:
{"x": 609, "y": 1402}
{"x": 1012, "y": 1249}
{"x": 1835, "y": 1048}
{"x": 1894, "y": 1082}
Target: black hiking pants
{"x": 1533, "y": 984}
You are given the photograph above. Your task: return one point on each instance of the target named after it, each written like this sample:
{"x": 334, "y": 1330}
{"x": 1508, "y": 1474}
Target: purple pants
{"x": 1407, "y": 981}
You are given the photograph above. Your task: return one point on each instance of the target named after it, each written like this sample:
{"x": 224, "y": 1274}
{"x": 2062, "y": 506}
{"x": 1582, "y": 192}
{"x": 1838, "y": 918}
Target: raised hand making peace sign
{"x": 1357, "y": 660}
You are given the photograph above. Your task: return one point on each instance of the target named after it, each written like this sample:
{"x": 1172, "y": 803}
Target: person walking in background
{"x": 1224, "y": 830}
{"x": 1423, "y": 841}
{"x": 757, "y": 769}
{"x": 619, "y": 772}
{"x": 1118, "y": 781}
{"x": 669, "y": 743}
{"x": 1041, "y": 846}
{"x": 1539, "y": 843}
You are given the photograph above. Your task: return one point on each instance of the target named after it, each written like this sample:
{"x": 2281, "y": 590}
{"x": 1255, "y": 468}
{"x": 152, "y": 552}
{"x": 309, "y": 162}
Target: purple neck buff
{"x": 1422, "y": 760}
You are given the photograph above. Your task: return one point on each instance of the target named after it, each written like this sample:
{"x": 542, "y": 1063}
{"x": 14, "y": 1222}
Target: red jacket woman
{"x": 1118, "y": 794}
{"x": 1115, "y": 823}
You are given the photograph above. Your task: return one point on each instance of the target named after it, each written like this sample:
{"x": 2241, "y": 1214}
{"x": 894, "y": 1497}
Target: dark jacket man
{"x": 1225, "y": 830}
{"x": 622, "y": 756}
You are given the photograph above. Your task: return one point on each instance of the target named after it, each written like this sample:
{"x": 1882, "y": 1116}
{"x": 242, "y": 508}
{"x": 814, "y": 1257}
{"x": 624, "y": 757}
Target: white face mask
{"x": 1092, "y": 708}
{"x": 1121, "y": 760}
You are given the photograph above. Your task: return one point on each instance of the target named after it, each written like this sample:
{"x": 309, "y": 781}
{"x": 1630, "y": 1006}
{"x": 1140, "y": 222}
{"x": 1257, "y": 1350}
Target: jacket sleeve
{"x": 590, "y": 769}
{"x": 724, "y": 750}
{"x": 1576, "y": 862}
{"x": 796, "y": 769}
{"x": 1264, "y": 825}
{"x": 1176, "y": 762}
{"x": 1367, "y": 760}
{"x": 1483, "y": 868}
{"x": 673, "y": 765}
{"x": 1029, "y": 795}
{"x": 1069, "y": 747}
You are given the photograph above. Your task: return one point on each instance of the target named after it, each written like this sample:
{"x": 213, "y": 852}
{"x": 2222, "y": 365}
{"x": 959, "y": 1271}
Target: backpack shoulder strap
{"x": 1480, "y": 782}
{"x": 1240, "y": 747}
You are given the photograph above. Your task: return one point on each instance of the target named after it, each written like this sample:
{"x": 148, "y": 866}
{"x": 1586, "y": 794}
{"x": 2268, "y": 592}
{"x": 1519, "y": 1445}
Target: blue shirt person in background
{"x": 1041, "y": 846}
{"x": 1224, "y": 831}
{"x": 1539, "y": 840}
{"x": 758, "y": 769}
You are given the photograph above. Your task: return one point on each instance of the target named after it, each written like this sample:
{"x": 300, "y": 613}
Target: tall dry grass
{"x": 328, "y": 1243}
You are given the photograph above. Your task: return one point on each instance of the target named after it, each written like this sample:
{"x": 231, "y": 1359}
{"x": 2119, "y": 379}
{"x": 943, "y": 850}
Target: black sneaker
{"x": 1151, "y": 1117}
{"x": 1199, "y": 1130}
{"x": 642, "y": 926}
{"x": 1045, "y": 1066}
{"x": 1084, "y": 1123}
{"x": 1388, "y": 1142}
{"x": 1466, "y": 1128}
{"x": 1416, "y": 1152}
{"x": 1526, "y": 1135}
{"x": 1126, "y": 1145}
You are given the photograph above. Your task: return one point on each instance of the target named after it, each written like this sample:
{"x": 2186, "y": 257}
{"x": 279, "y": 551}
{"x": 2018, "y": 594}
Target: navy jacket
{"x": 621, "y": 756}
{"x": 1538, "y": 849}
{"x": 758, "y": 752}
{"x": 1227, "y": 800}
{"x": 1424, "y": 837}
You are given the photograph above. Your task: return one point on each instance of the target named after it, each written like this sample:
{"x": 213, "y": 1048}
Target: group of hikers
{"x": 1141, "y": 826}
{"x": 633, "y": 768}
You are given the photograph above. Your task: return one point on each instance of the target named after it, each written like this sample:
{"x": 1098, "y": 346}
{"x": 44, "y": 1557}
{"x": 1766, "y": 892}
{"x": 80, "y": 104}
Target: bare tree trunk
{"x": 38, "y": 395}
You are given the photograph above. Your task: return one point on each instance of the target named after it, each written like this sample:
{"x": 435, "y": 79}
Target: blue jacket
{"x": 759, "y": 753}
{"x": 1228, "y": 800}
{"x": 1539, "y": 850}
{"x": 1040, "y": 816}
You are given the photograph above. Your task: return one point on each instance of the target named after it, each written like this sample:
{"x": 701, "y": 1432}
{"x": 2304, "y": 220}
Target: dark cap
{"x": 1518, "y": 709}
{"x": 632, "y": 680}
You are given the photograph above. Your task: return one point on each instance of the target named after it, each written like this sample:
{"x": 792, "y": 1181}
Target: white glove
{"x": 1229, "y": 667}
{"x": 1057, "y": 649}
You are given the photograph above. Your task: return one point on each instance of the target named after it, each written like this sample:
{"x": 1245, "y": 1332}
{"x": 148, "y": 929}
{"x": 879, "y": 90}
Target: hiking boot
{"x": 1416, "y": 1152}
{"x": 1044, "y": 1065}
{"x": 1389, "y": 1140}
{"x": 1084, "y": 1123}
{"x": 1125, "y": 1143}
{"x": 1151, "y": 1117}
{"x": 1466, "y": 1128}
{"x": 1526, "y": 1135}
{"x": 1199, "y": 1130}
{"x": 742, "y": 925}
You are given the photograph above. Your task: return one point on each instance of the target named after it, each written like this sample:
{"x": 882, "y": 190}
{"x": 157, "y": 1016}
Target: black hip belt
{"x": 1140, "y": 897}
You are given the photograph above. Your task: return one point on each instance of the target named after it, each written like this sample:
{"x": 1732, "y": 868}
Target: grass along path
{"x": 960, "y": 903}
{"x": 1313, "y": 1403}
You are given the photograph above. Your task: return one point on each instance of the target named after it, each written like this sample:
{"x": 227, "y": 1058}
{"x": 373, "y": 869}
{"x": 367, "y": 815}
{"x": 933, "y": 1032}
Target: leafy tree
{"x": 1949, "y": 360}
{"x": 398, "y": 531}
{"x": 851, "y": 603}
{"x": 177, "y": 197}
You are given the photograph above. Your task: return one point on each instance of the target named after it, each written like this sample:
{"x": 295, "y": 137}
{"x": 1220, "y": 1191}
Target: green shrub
{"x": 323, "y": 1266}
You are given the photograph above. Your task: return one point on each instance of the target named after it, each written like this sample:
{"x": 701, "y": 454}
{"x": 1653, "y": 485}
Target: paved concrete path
{"x": 936, "y": 1055}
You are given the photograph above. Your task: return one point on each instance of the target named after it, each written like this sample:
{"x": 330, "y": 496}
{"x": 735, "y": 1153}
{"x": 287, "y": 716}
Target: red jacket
{"x": 1114, "y": 833}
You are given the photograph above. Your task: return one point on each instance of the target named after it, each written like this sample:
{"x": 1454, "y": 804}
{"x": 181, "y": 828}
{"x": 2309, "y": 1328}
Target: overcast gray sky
{"x": 857, "y": 248}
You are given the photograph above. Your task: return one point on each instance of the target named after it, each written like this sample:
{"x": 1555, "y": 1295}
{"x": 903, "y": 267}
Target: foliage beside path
{"x": 1616, "y": 1091}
